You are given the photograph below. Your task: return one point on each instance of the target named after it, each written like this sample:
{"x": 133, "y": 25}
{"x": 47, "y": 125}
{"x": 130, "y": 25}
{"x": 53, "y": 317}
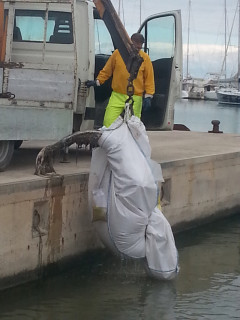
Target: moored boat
{"x": 192, "y": 88}
{"x": 231, "y": 95}
{"x": 228, "y": 96}
{"x": 210, "y": 94}
{"x": 211, "y": 85}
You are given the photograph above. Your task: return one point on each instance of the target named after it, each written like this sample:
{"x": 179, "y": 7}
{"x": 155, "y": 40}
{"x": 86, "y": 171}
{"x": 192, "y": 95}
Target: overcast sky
{"x": 207, "y": 30}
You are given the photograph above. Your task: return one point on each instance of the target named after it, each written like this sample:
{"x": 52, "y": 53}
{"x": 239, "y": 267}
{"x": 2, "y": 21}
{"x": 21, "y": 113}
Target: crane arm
{"x": 121, "y": 40}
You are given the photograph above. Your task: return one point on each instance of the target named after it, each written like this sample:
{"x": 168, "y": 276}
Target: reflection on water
{"x": 198, "y": 114}
{"x": 208, "y": 286}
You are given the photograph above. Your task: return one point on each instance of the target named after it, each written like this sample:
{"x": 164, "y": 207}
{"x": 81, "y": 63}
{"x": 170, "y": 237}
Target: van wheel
{"x": 6, "y": 153}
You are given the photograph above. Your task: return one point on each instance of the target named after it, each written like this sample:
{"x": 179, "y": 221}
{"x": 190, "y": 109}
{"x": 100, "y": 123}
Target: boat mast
{"x": 189, "y": 9}
{"x": 225, "y": 16}
{"x": 140, "y": 12}
{"x": 238, "y": 74}
{"x": 227, "y": 43}
{"x": 119, "y": 7}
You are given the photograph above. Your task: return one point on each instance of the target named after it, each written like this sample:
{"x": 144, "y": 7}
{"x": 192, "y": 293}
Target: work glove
{"x": 91, "y": 83}
{"x": 147, "y": 102}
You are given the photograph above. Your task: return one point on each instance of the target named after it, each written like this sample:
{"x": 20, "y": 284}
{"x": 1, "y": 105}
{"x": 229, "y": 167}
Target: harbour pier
{"x": 45, "y": 221}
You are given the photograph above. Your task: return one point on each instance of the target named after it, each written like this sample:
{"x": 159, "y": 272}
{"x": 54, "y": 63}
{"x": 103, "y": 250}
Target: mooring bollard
{"x": 215, "y": 129}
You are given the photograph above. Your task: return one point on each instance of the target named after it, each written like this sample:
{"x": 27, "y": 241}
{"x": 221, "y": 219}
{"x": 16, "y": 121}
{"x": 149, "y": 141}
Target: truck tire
{"x": 17, "y": 144}
{"x": 6, "y": 153}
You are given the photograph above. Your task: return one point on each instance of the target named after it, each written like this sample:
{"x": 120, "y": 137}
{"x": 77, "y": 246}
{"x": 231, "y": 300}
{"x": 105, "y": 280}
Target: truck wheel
{"x": 17, "y": 144}
{"x": 6, "y": 153}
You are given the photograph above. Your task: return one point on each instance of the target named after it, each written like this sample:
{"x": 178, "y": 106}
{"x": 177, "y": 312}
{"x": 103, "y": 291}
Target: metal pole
{"x": 225, "y": 66}
{"x": 140, "y": 12}
{"x": 119, "y": 7}
{"x": 238, "y": 74}
{"x": 189, "y": 9}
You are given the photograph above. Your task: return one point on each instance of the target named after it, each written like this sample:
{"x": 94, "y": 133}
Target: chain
{"x": 130, "y": 93}
{"x": 136, "y": 61}
{"x": 7, "y": 95}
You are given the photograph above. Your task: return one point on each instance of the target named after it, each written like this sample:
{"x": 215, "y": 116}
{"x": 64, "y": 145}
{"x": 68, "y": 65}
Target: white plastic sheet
{"x": 123, "y": 193}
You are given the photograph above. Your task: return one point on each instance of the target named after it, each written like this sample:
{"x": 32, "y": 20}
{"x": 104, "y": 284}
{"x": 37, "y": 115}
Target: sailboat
{"x": 191, "y": 88}
{"x": 210, "y": 86}
{"x": 232, "y": 95}
{"x": 213, "y": 80}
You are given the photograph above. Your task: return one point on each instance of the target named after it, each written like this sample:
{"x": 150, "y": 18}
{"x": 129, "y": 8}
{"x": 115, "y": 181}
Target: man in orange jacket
{"x": 144, "y": 86}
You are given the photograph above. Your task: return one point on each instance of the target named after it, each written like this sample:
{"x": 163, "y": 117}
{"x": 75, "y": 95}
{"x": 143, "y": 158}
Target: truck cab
{"x": 49, "y": 49}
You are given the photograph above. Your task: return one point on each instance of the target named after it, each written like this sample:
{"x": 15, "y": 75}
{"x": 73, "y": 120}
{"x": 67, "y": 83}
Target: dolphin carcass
{"x": 123, "y": 198}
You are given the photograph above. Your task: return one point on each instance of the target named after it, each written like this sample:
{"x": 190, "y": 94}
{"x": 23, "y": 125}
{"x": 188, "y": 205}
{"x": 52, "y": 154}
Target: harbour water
{"x": 103, "y": 287}
{"x": 198, "y": 114}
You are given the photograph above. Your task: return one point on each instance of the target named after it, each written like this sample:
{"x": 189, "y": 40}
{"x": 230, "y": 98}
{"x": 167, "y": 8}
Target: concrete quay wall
{"x": 42, "y": 222}
{"x": 201, "y": 189}
{"x": 45, "y": 220}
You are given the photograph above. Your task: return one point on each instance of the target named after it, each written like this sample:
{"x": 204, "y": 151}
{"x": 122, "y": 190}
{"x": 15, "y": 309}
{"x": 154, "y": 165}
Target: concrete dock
{"x": 44, "y": 221}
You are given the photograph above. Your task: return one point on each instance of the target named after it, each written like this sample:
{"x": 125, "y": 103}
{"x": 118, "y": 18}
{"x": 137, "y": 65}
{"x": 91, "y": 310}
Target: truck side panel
{"x": 39, "y": 72}
{"x": 42, "y": 85}
{"x": 23, "y": 123}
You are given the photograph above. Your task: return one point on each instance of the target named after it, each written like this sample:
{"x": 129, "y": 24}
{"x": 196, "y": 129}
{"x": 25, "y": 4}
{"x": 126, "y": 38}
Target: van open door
{"x": 163, "y": 43}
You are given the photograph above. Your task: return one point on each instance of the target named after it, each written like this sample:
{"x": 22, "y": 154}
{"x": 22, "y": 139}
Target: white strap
{"x": 127, "y": 114}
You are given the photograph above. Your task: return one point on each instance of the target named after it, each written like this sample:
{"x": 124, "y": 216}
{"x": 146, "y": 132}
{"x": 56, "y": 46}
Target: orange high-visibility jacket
{"x": 115, "y": 67}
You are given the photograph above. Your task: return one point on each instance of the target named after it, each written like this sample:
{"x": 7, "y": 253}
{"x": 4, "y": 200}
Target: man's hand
{"x": 147, "y": 102}
{"x": 91, "y": 83}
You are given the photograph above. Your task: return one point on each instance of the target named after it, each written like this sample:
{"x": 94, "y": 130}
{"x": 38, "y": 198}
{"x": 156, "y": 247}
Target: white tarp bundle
{"x": 123, "y": 193}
